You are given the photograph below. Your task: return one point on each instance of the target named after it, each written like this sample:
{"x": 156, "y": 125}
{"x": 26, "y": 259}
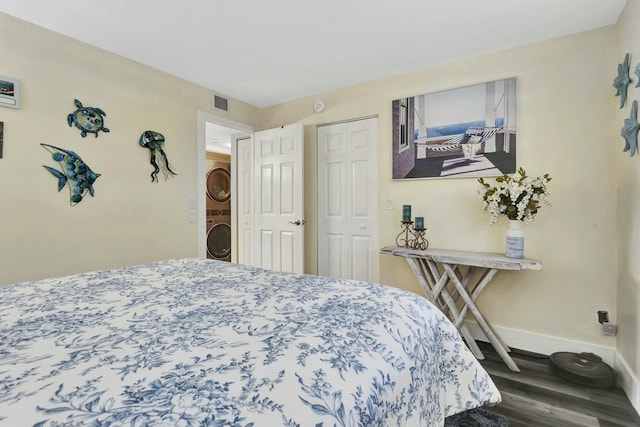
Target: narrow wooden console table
{"x": 436, "y": 268}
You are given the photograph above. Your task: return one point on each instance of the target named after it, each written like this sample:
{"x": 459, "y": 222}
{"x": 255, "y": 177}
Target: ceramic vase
{"x": 515, "y": 240}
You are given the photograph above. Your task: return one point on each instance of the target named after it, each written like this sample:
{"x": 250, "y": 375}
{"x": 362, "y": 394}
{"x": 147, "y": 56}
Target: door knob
{"x": 298, "y": 222}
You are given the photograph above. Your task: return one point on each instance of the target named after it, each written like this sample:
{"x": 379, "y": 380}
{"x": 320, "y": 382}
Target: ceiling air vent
{"x": 220, "y": 102}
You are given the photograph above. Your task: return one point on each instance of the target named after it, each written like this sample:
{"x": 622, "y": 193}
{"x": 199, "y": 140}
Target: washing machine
{"x": 219, "y": 212}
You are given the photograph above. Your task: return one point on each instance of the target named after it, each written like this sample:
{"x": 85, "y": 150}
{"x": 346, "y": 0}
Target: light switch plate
{"x": 388, "y": 204}
{"x": 191, "y": 202}
{"x": 191, "y": 215}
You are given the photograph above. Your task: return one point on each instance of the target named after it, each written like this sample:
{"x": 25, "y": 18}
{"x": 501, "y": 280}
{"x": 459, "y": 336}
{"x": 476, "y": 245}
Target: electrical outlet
{"x": 609, "y": 329}
{"x": 603, "y": 316}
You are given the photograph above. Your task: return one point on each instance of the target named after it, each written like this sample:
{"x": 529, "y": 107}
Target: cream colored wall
{"x": 565, "y": 128}
{"x": 628, "y": 171}
{"x": 211, "y": 158}
{"x": 130, "y": 220}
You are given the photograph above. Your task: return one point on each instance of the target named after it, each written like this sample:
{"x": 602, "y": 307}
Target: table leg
{"x": 479, "y": 287}
{"x": 497, "y": 343}
{"x": 476, "y": 290}
{"x": 431, "y": 284}
{"x": 440, "y": 283}
{"x": 439, "y": 292}
{"x": 422, "y": 278}
{"x": 484, "y": 280}
{"x": 464, "y": 278}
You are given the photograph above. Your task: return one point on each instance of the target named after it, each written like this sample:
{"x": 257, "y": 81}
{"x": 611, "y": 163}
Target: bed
{"x": 191, "y": 342}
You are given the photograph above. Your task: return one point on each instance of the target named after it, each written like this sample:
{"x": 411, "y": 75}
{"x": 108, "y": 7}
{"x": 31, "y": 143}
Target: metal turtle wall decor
{"x": 74, "y": 172}
{"x": 87, "y": 119}
{"x": 154, "y": 141}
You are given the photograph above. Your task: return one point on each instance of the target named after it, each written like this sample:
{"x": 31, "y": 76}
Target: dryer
{"x": 219, "y": 186}
{"x": 219, "y": 237}
{"x": 219, "y": 212}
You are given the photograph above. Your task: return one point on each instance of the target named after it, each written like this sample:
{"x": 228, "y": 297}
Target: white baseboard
{"x": 546, "y": 344}
{"x": 628, "y": 381}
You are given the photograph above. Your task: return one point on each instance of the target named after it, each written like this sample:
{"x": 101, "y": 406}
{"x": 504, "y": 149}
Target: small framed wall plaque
{"x": 9, "y": 92}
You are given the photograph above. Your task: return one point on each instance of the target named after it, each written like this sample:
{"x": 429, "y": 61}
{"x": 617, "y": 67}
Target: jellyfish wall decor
{"x": 154, "y": 141}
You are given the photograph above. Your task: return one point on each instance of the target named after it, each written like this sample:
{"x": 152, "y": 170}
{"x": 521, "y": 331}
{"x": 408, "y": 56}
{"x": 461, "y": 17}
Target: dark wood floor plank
{"x": 553, "y": 399}
{"x": 537, "y": 397}
{"x": 525, "y": 378}
{"x": 615, "y": 398}
{"x": 547, "y": 414}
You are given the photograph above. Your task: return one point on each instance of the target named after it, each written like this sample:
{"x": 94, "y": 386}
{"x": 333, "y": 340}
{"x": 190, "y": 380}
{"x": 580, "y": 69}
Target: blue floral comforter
{"x": 194, "y": 342}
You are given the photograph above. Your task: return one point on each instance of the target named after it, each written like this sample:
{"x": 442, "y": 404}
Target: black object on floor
{"x": 476, "y": 418}
{"x": 585, "y": 368}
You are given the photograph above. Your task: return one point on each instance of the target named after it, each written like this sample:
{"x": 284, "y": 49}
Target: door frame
{"x": 201, "y": 209}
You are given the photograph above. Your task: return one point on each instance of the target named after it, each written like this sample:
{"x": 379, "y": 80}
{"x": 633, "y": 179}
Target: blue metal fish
{"x": 74, "y": 170}
{"x": 630, "y": 130}
{"x": 622, "y": 80}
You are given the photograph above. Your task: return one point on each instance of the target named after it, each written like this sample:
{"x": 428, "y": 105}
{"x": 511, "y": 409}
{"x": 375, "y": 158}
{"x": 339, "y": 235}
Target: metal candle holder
{"x": 411, "y": 237}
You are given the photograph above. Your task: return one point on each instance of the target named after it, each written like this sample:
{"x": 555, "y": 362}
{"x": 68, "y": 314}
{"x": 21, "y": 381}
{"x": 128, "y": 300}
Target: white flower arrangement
{"x": 518, "y": 198}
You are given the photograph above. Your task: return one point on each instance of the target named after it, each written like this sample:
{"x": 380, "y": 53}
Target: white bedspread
{"x": 199, "y": 342}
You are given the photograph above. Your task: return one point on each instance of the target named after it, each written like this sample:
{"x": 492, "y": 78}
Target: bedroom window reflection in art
{"x": 463, "y": 132}
{"x": 9, "y": 92}
{"x": 403, "y": 119}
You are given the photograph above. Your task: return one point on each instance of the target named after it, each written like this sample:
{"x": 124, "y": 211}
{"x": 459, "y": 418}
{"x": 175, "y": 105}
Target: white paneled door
{"x": 245, "y": 196}
{"x": 279, "y": 199}
{"x": 347, "y": 200}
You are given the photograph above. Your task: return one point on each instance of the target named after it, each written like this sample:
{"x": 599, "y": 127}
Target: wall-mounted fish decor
{"x": 75, "y": 173}
{"x": 622, "y": 80}
{"x": 630, "y": 130}
{"x": 637, "y": 73}
{"x": 154, "y": 141}
{"x": 87, "y": 119}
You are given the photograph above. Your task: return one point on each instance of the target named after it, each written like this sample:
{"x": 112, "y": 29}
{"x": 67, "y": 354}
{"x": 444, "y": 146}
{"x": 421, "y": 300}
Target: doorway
{"x": 216, "y": 139}
{"x": 275, "y": 187}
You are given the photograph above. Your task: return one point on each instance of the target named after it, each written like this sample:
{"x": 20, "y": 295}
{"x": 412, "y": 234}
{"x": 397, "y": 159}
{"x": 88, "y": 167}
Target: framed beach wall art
{"x": 466, "y": 132}
{"x": 9, "y": 92}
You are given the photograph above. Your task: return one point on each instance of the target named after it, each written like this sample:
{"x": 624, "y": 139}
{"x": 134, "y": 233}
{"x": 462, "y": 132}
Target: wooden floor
{"x": 537, "y": 397}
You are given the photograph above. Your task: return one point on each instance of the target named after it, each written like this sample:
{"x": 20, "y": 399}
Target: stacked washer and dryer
{"x": 219, "y": 212}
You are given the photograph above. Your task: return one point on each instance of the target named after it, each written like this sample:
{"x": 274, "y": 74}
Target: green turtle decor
{"x": 87, "y": 119}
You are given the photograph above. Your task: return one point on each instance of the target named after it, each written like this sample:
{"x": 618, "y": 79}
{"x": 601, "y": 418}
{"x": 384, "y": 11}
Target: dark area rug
{"x": 476, "y": 418}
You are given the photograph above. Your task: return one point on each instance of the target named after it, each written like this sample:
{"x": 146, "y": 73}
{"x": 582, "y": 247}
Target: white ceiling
{"x": 268, "y": 52}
